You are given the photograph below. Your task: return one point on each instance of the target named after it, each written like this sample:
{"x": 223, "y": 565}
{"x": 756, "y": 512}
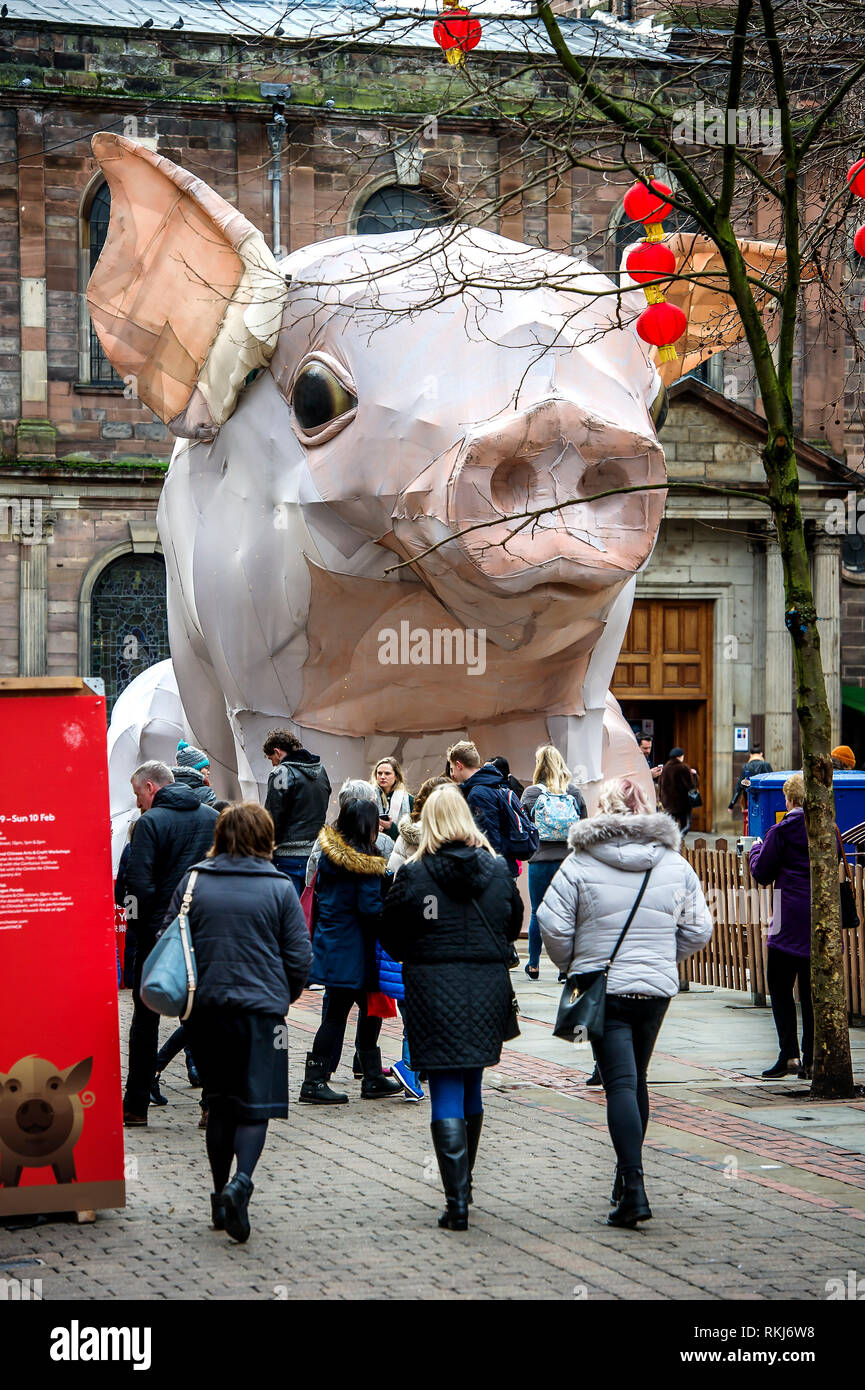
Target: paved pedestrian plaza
{"x": 758, "y": 1193}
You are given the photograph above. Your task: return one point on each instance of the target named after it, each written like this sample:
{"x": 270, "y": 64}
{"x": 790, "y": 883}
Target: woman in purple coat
{"x": 782, "y": 859}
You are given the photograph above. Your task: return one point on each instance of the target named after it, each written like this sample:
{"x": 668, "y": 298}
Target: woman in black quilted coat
{"x": 450, "y": 917}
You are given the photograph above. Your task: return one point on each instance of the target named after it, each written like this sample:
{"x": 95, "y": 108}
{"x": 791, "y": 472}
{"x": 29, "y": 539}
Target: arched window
{"x": 94, "y": 228}
{"x": 128, "y": 621}
{"x": 399, "y": 209}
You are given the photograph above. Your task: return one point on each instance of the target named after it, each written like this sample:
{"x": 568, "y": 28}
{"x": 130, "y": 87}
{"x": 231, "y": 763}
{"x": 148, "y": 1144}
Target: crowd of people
{"x": 409, "y": 905}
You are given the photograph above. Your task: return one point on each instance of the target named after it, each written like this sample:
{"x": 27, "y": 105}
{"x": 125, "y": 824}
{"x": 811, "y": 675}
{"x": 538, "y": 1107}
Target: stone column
{"x": 35, "y": 532}
{"x": 779, "y": 666}
{"x": 827, "y": 600}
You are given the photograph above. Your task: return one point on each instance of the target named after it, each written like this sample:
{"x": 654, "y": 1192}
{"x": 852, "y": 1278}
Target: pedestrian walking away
{"x": 555, "y": 803}
{"x": 348, "y": 904}
{"x": 389, "y": 971}
{"x": 253, "y": 955}
{"x": 754, "y": 767}
{"x": 782, "y": 860}
{"x": 297, "y": 794}
{"x": 174, "y": 832}
{"x": 626, "y": 847}
{"x": 675, "y": 785}
{"x": 450, "y": 917}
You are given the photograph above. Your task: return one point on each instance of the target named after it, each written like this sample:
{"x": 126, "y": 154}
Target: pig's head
{"x": 419, "y": 397}
{"x": 39, "y": 1106}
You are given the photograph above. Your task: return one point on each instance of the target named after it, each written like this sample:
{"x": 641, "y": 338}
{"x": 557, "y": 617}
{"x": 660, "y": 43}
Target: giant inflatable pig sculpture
{"x": 361, "y": 429}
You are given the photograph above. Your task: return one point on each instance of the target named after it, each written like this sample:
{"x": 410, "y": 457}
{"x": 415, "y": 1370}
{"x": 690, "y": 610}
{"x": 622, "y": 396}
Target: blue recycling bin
{"x": 766, "y": 800}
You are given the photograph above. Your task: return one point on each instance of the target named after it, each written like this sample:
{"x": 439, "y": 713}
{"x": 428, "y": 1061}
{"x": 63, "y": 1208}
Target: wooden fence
{"x": 735, "y": 958}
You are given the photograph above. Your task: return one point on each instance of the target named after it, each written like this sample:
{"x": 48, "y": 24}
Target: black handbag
{"x": 694, "y": 796}
{"x": 512, "y": 1027}
{"x": 583, "y": 1005}
{"x": 849, "y": 915}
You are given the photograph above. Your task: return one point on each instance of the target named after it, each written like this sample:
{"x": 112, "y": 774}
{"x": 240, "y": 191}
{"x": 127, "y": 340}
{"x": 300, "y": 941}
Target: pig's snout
{"x": 535, "y": 478}
{"x": 34, "y": 1117}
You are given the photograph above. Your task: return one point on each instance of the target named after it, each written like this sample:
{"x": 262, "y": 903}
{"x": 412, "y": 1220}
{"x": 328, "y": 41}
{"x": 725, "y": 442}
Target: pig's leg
{"x": 10, "y": 1172}
{"x": 64, "y": 1169}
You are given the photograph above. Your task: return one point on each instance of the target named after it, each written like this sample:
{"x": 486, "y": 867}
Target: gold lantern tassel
{"x": 668, "y": 353}
{"x": 455, "y": 55}
{"x": 655, "y": 231}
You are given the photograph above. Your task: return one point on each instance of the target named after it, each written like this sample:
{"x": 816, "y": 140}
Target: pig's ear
{"x": 713, "y": 320}
{"x": 76, "y": 1078}
{"x": 186, "y": 298}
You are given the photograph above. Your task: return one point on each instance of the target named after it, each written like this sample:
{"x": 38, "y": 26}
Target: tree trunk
{"x": 833, "y": 1069}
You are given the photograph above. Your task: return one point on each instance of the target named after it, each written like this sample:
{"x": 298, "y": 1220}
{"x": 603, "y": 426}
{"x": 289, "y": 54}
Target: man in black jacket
{"x": 174, "y": 832}
{"x": 755, "y": 765}
{"x": 298, "y": 791}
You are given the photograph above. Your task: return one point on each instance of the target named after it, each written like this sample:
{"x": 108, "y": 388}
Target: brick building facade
{"x": 358, "y": 133}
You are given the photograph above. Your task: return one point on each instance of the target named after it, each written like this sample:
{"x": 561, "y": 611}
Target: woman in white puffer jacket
{"x": 584, "y": 910}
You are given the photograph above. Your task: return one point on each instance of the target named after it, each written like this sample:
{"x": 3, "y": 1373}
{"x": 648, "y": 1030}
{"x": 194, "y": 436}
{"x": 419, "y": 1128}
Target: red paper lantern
{"x": 641, "y": 205}
{"x": 859, "y": 241}
{"x": 662, "y": 325}
{"x": 457, "y": 32}
{"x": 649, "y": 261}
{"x": 856, "y": 178}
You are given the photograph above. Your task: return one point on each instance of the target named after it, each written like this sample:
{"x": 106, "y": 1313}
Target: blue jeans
{"x": 295, "y": 867}
{"x": 540, "y": 877}
{"x": 456, "y": 1094}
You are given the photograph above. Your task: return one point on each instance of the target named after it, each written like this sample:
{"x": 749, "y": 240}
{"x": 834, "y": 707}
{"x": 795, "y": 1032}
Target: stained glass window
{"x": 100, "y": 211}
{"x": 396, "y": 209}
{"x": 128, "y": 621}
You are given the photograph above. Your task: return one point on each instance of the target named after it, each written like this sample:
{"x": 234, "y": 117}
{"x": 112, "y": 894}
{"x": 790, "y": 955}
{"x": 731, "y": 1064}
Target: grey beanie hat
{"x": 190, "y": 756}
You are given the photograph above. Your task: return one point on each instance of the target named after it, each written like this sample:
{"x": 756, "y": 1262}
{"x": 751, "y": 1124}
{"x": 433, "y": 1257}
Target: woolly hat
{"x": 846, "y": 756}
{"x": 677, "y": 752}
{"x": 189, "y": 756}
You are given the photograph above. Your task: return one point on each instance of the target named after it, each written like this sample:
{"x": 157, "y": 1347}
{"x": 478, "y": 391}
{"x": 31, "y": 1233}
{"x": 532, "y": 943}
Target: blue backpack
{"x": 554, "y": 813}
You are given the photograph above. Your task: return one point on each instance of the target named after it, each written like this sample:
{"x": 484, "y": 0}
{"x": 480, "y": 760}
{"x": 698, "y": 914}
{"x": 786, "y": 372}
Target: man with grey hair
{"x": 175, "y": 831}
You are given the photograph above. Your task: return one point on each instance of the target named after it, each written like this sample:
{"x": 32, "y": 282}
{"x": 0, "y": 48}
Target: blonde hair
{"x": 446, "y": 816}
{"x": 464, "y": 752}
{"x": 622, "y": 796}
{"x": 794, "y": 789}
{"x": 551, "y": 769}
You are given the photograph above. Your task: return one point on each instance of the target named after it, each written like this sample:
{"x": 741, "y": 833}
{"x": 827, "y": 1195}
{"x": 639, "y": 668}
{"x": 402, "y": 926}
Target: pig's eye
{"x": 13, "y": 1087}
{"x": 658, "y": 409}
{"x": 318, "y": 397}
{"x": 54, "y": 1084}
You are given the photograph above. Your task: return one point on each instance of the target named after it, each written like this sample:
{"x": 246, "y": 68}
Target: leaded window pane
{"x": 128, "y": 621}
{"x": 396, "y": 209}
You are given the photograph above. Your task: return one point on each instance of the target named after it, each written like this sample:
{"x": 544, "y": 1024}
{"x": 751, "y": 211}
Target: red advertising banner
{"x": 61, "y": 1124}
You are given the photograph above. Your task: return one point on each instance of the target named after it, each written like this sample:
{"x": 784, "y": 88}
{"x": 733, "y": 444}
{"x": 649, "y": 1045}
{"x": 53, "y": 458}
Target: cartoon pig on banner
{"x": 344, "y": 534}
{"x": 41, "y": 1118}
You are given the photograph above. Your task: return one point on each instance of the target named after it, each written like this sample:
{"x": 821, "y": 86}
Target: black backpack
{"x": 519, "y": 835}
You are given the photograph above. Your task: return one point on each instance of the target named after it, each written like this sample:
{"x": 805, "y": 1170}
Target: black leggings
{"x": 225, "y": 1138}
{"x": 783, "y": 971}
{"x": 623, "y": 1057}
{"x": 329, "y": 1039}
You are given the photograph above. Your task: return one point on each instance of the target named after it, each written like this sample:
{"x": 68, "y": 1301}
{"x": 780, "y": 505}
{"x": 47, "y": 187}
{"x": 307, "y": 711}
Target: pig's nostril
{"x": 512, "y": 485}
{"x": 34, "y": 1116}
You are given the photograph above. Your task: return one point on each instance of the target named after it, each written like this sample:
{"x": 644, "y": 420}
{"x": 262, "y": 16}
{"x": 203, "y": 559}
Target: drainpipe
{"x": 280, "y": 92}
